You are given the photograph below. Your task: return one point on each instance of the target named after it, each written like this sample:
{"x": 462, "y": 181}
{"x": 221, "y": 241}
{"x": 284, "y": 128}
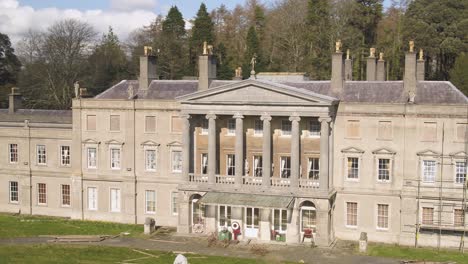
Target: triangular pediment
{"x": 114, "y": 142}
{"x": 459, "y": 154}
{"x": 352, "y": 150}
{"x": 384, "y": 151}
{"x": 257, "y": 92}
{"x": 90, "y": 141}
{"x": 174, "y": 144}
{"x": 428, "y": 152}
{"x": 150, "y": 143}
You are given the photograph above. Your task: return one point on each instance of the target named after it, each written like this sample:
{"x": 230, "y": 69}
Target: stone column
{"x": 239, "y": 147}
{"x": 266, "y": 165}
{"x": 183, "y": 202}
{"x": 324, "y": 152}
{"x": 186, "y": 146}
{"x": 295, "y": 150}
{"x": 211, "y": 148}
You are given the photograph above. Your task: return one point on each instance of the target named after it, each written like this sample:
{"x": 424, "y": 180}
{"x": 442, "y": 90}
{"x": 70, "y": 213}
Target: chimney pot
{"x": 148, "y": 69}
{"x": 371, "y": 66}
{"x": 337, "y": 76}
{"x": 206, "y": 67}
{"x": 15, "y": 100}
{"x": 409, "y": 79}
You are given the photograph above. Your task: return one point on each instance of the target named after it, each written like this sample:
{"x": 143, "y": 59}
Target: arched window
{"x": 308, "y": 216}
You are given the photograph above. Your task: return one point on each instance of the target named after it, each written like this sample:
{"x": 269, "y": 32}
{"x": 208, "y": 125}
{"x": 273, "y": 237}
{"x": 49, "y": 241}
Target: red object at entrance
{"x": 236, "y": 231}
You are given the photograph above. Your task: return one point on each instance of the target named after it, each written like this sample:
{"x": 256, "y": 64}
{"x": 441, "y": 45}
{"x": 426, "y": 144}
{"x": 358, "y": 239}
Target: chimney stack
{"x": 420, "y": 66}
{"x": 337, "y": 76}
{"x": 371, "y": 65}
{"x": 206, "y": 67}
{"x": 147, "y": 69}
{"x": 381, "y": 68}
{"x": 348, "y": 67}
{"x": 15, "y": 100}
{"x": 409, "y": 79}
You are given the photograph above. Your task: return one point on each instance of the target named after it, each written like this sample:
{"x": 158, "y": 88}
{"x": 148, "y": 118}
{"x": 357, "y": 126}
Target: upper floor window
{"x": 92, "y": 158}
{"x": 285, "y": 127}
{"x": 231, "y": 165}
{"x": 353, "y": 129}
{"x": 176, "y": 124}
{"x": 14, "y": 197}
{"x": 382, "y": 216}
{"x": 176, "y": 161}
{"x": 91, "y": 122}
{"x": 313, "y": 168}
{"x": 150, "y": 124}
{"x": 204, "y": 126}
{"x": 41, "y": 193}
{"x": 429, "y": 171}
{"x": 204, "y": 163}
{"x": 41, "y": 154}
{"x": 351, "y": 214}
{"x": 460, "y": 172}
{"x": 427, "y": 215}
{"x": 285, "y": 169}
{"x": 65, "y": 155}
{"x": 429, "y": 132}
{"x": 385, "y": 130}
{"x": 114, "y": 123}
{"x": 314, "y": 127}
{"x": 257, "y": 166}
{"x": 384, "y": 170}
{"x": 13, "y": 153}
{"x": 258, "y": 127}
{"x": 115, "y": 158}
{"x": 353, "y": 168}
{"x": 231, "y": 127}
{"x": 150, "y": 159}
{"x": 462, "y": 132}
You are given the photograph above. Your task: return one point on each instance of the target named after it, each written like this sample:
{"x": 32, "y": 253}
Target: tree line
{"x": 289, "y": 35}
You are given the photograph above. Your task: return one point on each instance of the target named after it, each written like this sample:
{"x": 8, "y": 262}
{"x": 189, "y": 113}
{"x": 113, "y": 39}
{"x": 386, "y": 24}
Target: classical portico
{"x": 264, "y": 127}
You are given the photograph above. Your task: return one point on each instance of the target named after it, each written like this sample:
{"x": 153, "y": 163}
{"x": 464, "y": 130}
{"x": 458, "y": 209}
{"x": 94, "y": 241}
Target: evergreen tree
{"x": 9, "y": 68}
{"x": 223, "y": 68}
{"x": 173, "y": 48}
{"x": 252, "y": 49}
{"x": 202, "y": 30}
{"x": 107, "y": 64}
{"x": 318, "y": 21}
{"x": 458, "y": 74}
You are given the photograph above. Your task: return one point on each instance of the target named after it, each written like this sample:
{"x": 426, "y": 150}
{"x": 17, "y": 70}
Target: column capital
{"x": 265, "y": 116}
{"x": 210, "y": 116}
{"x": 324, "y": 119}
{"x": 295, "y": 118}
{"x": 238, "y": 115}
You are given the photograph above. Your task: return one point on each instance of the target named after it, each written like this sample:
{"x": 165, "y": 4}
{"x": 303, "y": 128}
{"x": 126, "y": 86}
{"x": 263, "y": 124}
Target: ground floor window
{"x": 14, "y": 192}
{"x": 150, "y": 202}
{"x": 280, "y": 220}
{"x": 382, "y": 216}
{"x": 252, "y": 217}
{"x": 427, "y": 215}
{"x": 459, "y": 217}
{"x": 41, "y": 193}
{"x": 224, "y": 216}
{"x": 65, "y": 195}
{"x": 92, "y": 198}
{"x": 351, "y": 214}
{"x": 115, "y": 200}
{"x": 308, "y": 217}
{"x": 198, "y": 212}
{"x": 174, "y": 202}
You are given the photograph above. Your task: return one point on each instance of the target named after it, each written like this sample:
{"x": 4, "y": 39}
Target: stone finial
{"x": 148, "y": 50}
{"x": 130, "y": 92}
{"x": 381, "y": 55}
{"x": 411, "y": 96}
{"x": 411, "y": 46}
{"x": 253, "y": 61}
{"x": 205, "y": 48}
{"x": 421, "y": 54}
{"x": 338, "y": 46}
{"x": 210, "y": 49}
{"x": 372, "y": 52}
{"x": 76, "y": 85}
{"x": 238, "y": 72}
{"x": 347, "y": 54}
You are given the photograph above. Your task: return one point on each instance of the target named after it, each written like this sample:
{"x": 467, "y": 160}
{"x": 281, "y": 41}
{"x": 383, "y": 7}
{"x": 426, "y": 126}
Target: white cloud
{"x": 128, "y": 5}
{"x": 17, "y": 19}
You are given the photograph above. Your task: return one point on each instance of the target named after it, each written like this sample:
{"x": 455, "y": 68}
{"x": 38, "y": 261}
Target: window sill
{"x": 150, "y": 213}
{"x": 41, "y": 164}
{"x": 42, "y": 205}
{"x": 351, "y": 227}
{"x": 65, "y": 206}
{"x": 353, "y": 138}
{"x": 384, "y": 182}
{"x": 14, "y": 203}
{"x": 114, "y": 212}
{"x": 351, "y": 180}
{"x": 378, "y": 229}
{"x": 384, "y": 139}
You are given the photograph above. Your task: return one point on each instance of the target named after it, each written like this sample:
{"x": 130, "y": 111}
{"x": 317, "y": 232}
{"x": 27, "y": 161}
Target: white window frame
{"x": 115, "y": 164}
{"x": 226, "y": 214}
{"x": 148, "y": 201}
{"x": 11, "y": 192}
{"x": 256, "y": 165}
{"x": 204, "y": 163}
{"x": 423, "y": 171}
{"x": 253, "y": 218}
{"x": 13, "y": 153}
{"x": 258, "y": 127}
{"x": 64, "y": 156}
{"x": 377, "y": 217}
{"x": 174, "y": 208}
{"x": 358, "y": 168}
{"x": 172, "y": 161}
{"x": 231, "y": 127}
{"x": 283, "y": 168}
{"x": 390, "y": 164}
{"x": 307, "y": 208}
{"x": 62, "y": 196}
{"x": 88, "y": 158}
{"x": 286, "y": 128}
{"x": 314, "y": 123}
{"x": 41, "y": 155}
{"x": 280, "y": 230}
{"x": 92, "y": 203}
{"x": 346, "y": 214}
{"x": 311, "y": 168}
{"x": 148, "y": 166}
{"x": 457, "y": 171}
{"x": 230, "y": 164}
{"x": 115, "y": 207}
{"x": 39, "y": 193}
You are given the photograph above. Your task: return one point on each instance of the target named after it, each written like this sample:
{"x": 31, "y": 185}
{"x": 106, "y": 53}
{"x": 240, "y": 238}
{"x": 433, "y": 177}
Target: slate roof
{"x": 37, "y": 116}
{"x": 428, "y": 92}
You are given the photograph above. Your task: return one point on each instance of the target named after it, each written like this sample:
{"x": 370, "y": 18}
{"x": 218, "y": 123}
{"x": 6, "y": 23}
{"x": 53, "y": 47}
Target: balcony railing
{"x": 309, "y": 183}
{"x": 197, "y": 178}
{"x": 250, "y": 180}
{"x": 222, "y": 179}
{"x": 280, "y": 182}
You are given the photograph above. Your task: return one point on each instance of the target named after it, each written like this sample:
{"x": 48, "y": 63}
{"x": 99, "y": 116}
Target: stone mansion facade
{"x": 277, "y": 154}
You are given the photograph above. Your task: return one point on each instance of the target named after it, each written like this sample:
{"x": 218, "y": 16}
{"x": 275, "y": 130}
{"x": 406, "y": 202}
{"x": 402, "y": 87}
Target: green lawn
{"x": 98, "y": 254}
{"x": 30, "y": 226}
{"x": 408, "y": 253}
